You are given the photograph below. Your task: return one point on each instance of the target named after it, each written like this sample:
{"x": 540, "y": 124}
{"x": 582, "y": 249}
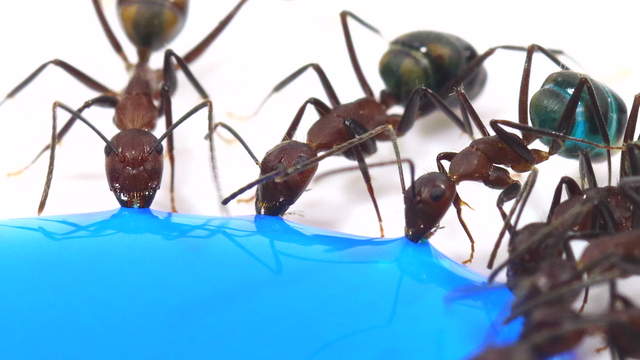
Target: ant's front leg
{"x": 167, "y": 88}
{"x": 102, "y": 101}
{"x": 54, "y": 141}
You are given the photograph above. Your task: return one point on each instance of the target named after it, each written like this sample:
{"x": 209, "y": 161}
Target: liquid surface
{"x": 140, "y": 283}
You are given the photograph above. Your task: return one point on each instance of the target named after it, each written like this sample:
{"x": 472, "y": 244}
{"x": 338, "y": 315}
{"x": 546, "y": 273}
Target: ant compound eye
{"x": 437, "y": 194}
{"x": 159, "y": 149}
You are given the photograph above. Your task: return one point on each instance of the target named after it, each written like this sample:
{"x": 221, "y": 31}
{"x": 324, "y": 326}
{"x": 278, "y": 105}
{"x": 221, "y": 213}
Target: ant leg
{"x": 351, "y": 49}
{"x": 519, "y": 204}
{"x": 71, "y": 70}
{"x": 204, "y": 43}
{"x": 411, "y": 111}
{"x": 169, "y": 85}
{"x": 168, "y": 114}
{"x": 625, "y": 163}
{"x": 356, "y": 129}
{"x": 457, "y": 203}
{"x": 568, "y": 118}
{"x": 572, "y": 188}
{"x": 474, "y": 65}
{"x": 102, "y": 100}
{"x": 324, "y": 80}
{"x": 54, "y": 140}
{"x": 168, "y": 118}
{"x": 468, "y": 109}
{"x": 321, "y": 109}
{"x": 283, "y": 173}
{"x": 523, "y": 101}
{"x": 169, "y": 74}
{"x": 496, "y": 125}
{"x": 508, "y": 194}
{"x": 446, "y": 156}
{"x": 115, "y": 44}
{"x": 587, "y": 175}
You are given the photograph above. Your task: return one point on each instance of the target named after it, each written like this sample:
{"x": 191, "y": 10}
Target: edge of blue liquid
{"x": 140, "y": 283}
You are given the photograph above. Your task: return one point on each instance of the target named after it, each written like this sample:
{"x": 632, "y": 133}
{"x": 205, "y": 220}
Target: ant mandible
{"x": 134, "y": 177}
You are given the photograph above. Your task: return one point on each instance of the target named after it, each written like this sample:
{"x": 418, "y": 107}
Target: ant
{"x": 275, "y": 194}
{"x": 133, "y": 157}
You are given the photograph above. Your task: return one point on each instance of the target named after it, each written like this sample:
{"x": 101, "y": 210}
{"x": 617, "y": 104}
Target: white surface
{"x": 268, "y": 40}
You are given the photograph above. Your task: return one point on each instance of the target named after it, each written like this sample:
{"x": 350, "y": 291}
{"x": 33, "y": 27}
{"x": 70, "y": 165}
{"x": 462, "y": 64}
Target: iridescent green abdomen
{"x": 431, "y": 59}
{"x": 548, "y": 103}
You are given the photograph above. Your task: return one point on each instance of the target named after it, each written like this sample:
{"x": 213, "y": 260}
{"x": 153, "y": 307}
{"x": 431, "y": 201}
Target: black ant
{"x": 134, "y": 161}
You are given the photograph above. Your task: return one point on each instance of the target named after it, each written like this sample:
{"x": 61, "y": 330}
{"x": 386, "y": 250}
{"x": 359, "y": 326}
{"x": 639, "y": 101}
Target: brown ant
{"x": 133, "y": 157}
{"x": 278, "y": 190}
{"x": 481, "y": 159}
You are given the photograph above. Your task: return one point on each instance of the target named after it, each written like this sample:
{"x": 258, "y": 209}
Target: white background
{"x": 267, "y": 41}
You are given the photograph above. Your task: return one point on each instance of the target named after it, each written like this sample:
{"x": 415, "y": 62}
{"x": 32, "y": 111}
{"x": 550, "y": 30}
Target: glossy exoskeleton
{"x": 134, "y": 156}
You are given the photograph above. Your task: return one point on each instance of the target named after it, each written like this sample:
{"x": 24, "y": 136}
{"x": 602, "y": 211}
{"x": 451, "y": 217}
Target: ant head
{"x": 274, "y": 197}
{"x": 152, "y": 24}
{"x": 425, "y": 202}
{"x": 134, "y": 172}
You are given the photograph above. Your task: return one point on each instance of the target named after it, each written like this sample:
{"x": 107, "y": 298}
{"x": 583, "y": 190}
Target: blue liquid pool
{"x": 145, "y": 284}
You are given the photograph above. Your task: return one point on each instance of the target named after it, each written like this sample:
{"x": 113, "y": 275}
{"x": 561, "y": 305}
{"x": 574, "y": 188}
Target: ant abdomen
{"x": 134, "y": 171}
{"x": 152, "y": 24}
{"x": 430, "y": 59}
{"x": 275, "y": 197}
{"x": 548, "y": 103}
{"x": 425, "y": 203}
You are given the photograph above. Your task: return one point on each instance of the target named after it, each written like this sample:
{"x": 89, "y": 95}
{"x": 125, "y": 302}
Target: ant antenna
{"x": 54, "y": 140}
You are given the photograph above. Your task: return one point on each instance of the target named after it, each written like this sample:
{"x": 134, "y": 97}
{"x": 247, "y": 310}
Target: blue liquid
{"x": 139, "y": 283}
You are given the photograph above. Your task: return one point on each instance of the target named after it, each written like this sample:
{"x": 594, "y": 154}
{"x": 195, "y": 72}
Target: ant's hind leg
{"x": 213, "y": 35}
{"x": 324, "y": 81}
{"x": 113, "y": 40}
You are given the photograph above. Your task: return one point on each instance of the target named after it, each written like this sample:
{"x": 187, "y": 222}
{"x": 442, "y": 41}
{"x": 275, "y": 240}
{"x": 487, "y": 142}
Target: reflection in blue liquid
{"x": 139, "y": 283}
